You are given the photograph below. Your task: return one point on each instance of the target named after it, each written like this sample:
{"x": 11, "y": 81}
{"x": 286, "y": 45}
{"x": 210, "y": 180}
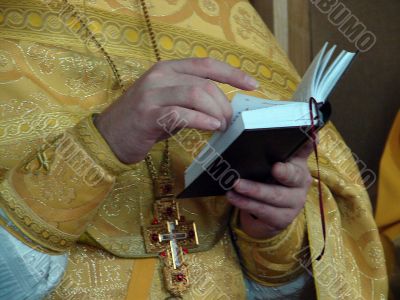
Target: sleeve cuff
{"x": 273, "y": 261}
{"x": 53, "y": 195}
{"x": 95, "y": 145}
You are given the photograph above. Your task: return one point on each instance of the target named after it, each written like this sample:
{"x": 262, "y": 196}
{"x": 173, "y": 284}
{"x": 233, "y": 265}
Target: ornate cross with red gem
{"x": 171, "y": 236}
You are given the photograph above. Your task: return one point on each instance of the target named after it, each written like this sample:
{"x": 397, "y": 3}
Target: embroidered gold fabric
{"x": 93, "y": 273}
{"x": 97, "y": 148}
{"x": 51, "y": 80}
{"x": 44, "y": 195}
{"x": 353, "y": 266}
{"x": 387, "y": 214}
{"x": 96, "y": 274}
{"x": 274, "y": 260}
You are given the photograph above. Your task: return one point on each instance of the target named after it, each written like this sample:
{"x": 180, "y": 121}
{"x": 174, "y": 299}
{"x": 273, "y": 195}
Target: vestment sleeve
{"x": 353, "y": 252}
{"x": 272, "y": 261}
{"x": 52, "y": 195}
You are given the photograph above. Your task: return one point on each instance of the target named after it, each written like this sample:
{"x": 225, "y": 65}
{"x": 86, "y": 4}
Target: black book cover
{"x": 251, "y": 156}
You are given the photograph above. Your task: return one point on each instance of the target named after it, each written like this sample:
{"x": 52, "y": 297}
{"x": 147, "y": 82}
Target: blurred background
{"x": 368, "y": 97}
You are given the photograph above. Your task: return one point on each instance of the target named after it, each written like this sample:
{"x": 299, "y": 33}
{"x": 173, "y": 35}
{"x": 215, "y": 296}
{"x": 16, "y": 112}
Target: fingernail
{"x": 230, "y": 195}
{"x": 236, "y": 183}
{"x": 283, "y": 169}
{"x": 223, "y": 125}
{"x": 241, "y": 186}
{"x": 214, "y": 124}
{"x": 252, "y": 82}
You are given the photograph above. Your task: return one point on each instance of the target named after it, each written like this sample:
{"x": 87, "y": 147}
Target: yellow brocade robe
{"x": 388, "y": 204}
{"x": 61, "y": 184}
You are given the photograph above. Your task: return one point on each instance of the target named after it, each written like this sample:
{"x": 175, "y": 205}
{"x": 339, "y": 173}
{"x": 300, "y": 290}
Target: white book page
{"x": 243, "y": 102}
{"x": 305, "y": 89}
{"x": 292, "y": 114}
{"x": 322, "y": 75}
{"x": 333, "y": 74}
{"x": 321, "y": 69}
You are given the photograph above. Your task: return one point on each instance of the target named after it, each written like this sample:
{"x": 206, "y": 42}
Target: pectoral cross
{"x": 171, "y": 237}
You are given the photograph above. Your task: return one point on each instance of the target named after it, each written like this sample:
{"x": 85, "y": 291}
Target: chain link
{"x": 91, "y": 35}
{"x": 150, "y": 29}
{"x": 149, "y": 160}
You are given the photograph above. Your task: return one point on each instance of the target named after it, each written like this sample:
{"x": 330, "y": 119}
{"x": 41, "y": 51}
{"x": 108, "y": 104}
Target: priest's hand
{"x": 180, "y": 89}
{"x": 267, "y": 209}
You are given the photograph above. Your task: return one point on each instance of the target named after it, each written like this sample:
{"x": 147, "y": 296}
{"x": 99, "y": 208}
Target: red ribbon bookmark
{"x": 313, "y": 135}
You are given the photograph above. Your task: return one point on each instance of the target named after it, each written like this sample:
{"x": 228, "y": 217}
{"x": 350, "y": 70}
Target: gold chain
{"x": 149, "y": 159}
{"x": 150, "y": 29}
{"x": 74, "y": 13}
{"x": 166, "y": 209}
{"x": 96, "y": 42}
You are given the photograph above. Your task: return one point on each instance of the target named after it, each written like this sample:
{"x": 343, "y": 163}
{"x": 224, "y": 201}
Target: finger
{"x": 291, "y": 174}
{"x": 173, "y": 118}
{"x": 215, "y": 93}
{"x": 304, "y": 151}
{"x": 191, "y": 97}
{"x": 271, "y": 194}
{"x": 160, "y": 78}
{"x": 218, "y": 95}
{"x": 215, "y": 70}
{"x": 276, "y": 217}
{"x": 259, "y": 228}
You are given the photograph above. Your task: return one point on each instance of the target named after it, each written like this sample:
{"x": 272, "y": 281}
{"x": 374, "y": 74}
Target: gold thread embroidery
{"x": 97, "y": 148}
{"x": 259, "y": 256}
{"x": 31, "y": 224}
{"x": 129, "y": 42}
{"x": 35, "y": 126}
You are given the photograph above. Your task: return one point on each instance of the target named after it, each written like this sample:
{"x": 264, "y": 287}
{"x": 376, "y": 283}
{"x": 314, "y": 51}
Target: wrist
{"x": 104, "y": 128}
{"x": 255, "y": 228}
{"x": 98, "y": 147}
{"x": 274, "y": 260}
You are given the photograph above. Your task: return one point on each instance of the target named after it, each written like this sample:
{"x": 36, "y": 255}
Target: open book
{"x": 263, "y": 132}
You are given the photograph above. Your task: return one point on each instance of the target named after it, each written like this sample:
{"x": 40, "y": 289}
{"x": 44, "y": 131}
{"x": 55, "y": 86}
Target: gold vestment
{"x": 60, "y": 183}
{"x": 388, "y": 204}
